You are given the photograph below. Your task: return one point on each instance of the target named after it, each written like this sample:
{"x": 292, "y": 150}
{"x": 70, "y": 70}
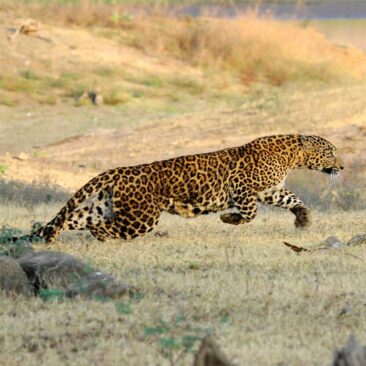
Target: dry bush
{"x": 259, "y": 49}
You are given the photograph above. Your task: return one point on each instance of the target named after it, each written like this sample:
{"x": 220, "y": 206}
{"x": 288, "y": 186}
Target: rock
{"x": 29, "y": 26}
{"x": 161, "y": 234}
{"x": 23, "y": 156}
{"x": 357, "y": 240}
{"x": 209, "y": 354}
{"x": 13, "y": 278}
{"x": 98, "y": 285}
{"x": 333, "y": 242}
{"x": 46, "y": 269}
{"x": 354, "y": 354}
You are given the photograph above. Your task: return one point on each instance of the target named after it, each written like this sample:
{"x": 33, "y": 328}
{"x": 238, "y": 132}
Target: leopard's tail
{"x": 51, "y": 230}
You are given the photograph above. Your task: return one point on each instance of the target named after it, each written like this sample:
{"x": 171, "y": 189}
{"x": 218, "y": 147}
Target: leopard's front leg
{"x": 246, "y": 202}
{"x": 285, "y": 199}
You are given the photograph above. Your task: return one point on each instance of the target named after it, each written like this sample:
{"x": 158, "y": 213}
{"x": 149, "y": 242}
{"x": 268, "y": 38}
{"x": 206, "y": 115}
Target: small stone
{"x": 333, "y": 242}
{"x": 23, "y": 156}
{"x": 12, "y": 277}
{"x": 346, "y": 310}
{"x": 161, "y": 234}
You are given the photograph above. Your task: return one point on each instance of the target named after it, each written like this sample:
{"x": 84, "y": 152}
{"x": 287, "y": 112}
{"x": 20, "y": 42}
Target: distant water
{"x": 327, "y": 9}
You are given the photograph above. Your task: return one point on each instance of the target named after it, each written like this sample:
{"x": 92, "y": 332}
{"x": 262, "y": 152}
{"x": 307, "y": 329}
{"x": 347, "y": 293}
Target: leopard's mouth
{"x": 332, "y": 170}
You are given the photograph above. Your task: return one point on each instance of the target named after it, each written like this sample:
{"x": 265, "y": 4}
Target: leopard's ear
{"x": 308, "y": 143}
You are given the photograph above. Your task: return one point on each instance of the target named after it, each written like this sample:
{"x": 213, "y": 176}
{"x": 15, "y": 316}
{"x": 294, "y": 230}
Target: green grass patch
{"x": 8, "y": 101}
{"x": 153, "y": 82}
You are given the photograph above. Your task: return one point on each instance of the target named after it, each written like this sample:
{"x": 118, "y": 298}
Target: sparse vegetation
{"x": 246, "y": 50}
{"x": 3, "y": 169}
{"x": 248, "y": 291}
{"x": 175, "y": 86}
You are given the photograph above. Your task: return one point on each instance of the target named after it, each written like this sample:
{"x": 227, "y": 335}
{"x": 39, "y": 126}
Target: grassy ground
{"x": 263, "y": 303}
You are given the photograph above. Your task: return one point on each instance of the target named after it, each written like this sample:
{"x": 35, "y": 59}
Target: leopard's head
{"x": 320, "y": 155}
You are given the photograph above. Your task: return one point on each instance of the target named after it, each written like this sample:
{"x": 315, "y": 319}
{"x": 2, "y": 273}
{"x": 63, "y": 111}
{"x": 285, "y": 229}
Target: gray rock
{"x": 357, "y": 240}
{"x": 49, "y": 269}
{"x": 13, "y": 278}
{"x": 354, "y": 354}
{"x": 98, "y": 285}
{"x": 333, "y": 242}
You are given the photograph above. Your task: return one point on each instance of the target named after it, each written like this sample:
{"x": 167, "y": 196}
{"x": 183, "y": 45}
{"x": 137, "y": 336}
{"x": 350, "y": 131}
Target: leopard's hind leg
{"x": 79, "y": 212}
{"x": 91, "y": 212}
{"x": 94, "y": 211}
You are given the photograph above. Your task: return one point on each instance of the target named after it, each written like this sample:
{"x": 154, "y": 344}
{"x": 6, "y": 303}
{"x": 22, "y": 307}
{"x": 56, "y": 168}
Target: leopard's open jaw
{"x": 332, "y": 171}
{"x": 126, "y": 202}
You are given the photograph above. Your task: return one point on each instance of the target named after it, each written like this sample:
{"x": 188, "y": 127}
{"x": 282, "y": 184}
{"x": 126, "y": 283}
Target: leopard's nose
{"x": 341, "y": 167}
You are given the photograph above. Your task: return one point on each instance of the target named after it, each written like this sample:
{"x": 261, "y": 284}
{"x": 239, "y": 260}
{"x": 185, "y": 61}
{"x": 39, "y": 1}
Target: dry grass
{"x": 265, "y": 304}
{"x": 257, "y": 49}
{"x": 213, "y": 56}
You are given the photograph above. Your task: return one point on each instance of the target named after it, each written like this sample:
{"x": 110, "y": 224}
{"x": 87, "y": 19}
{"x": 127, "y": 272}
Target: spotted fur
{"x": 126, "y": 202}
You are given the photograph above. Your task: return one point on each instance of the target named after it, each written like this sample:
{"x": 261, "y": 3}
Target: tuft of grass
{"x": 8, "y": 101}
{"x": 153, "y": 82}
{"x": 115, "y": 96}
{"x": 29, "y": 75}
{"x": 3, "y": 169}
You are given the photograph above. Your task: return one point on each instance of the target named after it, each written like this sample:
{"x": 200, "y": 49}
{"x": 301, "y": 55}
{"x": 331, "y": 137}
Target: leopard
{"x": 127, "y": 202}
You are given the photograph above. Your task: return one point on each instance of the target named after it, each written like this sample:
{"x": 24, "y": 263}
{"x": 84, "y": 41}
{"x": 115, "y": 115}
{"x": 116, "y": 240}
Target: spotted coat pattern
{"x": 126, "y": 202}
